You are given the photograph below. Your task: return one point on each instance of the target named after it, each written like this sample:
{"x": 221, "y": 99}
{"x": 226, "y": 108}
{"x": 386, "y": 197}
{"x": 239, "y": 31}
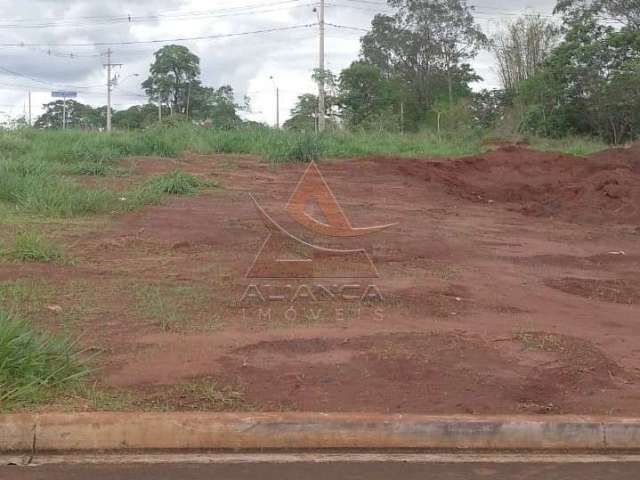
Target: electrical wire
{"x": 164, "y": 40}
{"x": 129, "y": 18}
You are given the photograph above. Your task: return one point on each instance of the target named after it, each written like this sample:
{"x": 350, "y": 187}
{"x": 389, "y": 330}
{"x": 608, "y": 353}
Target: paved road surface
{"x": 323, "y": 468}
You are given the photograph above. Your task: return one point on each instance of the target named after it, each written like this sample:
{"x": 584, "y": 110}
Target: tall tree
{"x": 425, "y": 43}
{"x": 367, "y": 96}
{"x": 217, "y": 106}
{"x": 626, "y": 12}
{"x": 174, "y": 75}
{"x": 522, "y": 47}
{"x": 589, "y": 84}
{"x": 452, "y": 27}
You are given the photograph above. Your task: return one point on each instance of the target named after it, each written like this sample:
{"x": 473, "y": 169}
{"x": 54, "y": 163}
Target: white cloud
{"x": 245, "y": 62}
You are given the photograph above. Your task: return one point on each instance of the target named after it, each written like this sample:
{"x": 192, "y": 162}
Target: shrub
{"x": 31, "y": 247}
{"x": 33, "y": 365}
{"x": 299, "y": 147}
{"x": 177, "y": 183}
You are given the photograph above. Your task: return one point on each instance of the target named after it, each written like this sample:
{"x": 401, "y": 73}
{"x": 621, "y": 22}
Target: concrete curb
{"x": 310, "y": 431}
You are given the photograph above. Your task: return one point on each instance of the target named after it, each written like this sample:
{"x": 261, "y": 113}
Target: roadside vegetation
{"x": 41, "y": 170}
{"x": 29, "y": 246}
{"x": 569, "y": 84}
{"x": 35, "y": 365}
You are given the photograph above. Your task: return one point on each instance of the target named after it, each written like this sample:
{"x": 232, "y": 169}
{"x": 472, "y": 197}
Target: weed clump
{"x": 31, "y": 247}
{"x": 34, "y": 364}
{"x": 177, "y": 183}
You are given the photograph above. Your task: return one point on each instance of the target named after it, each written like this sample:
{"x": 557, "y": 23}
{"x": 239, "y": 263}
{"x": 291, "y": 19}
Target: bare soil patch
{"x": 423, "y": 372}
{"x": 616, "y": 291}
{"x": 509, "y": 285}
{"x": 601, "y": 188}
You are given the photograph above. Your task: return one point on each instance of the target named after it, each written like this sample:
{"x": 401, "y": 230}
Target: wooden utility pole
{"x": 402, "y": 117}
{"x": 321, "y": 93}
{"x": 30, "y": 124}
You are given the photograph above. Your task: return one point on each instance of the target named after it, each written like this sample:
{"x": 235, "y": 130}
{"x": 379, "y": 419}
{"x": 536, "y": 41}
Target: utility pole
{"x": 278, "y": 107}
{"x": 402, "y": 117}
{"x": 160, "y": 111}
{"x": 64, "y": 113}
{"x": 189, "y": 98}
{"x": 108, "y": 90}
{"x": 109, "y": 66}
{"x": 321, "y": 95}
{"x": 30, "y": 124}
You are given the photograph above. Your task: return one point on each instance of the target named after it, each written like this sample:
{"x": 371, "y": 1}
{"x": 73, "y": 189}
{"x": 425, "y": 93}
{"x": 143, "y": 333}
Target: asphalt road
{"x": 412, "y": 469}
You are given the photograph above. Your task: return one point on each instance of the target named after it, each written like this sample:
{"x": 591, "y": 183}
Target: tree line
{"x": 577, "y": 73}
{"x": 174, "y": 90}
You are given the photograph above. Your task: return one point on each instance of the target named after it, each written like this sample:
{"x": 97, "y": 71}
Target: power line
{"x": 155, "y": 18}
{"x": 38, "y": 80}
{"x": 346, "y": 27}
{"x": 130, "y": 18}
{"x": 164, "y": 40}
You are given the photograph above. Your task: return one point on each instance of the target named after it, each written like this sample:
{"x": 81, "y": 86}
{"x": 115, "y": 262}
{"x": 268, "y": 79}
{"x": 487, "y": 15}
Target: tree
{"x": 425, "y": 44}
{"x": 452, "y": 27}
{"x": 303, "y": 114}
{"x": 626, "y": 12}
{"x": 367, "y": 98}
{"x": 216, "y": 106}
{"x": 78, "y": 115}
{"x": 138, "y": 116}
{"x": 522, "y": 47}
{"x": 488, "y": 108}
{"x": 174, "y": 75}
{"x": 589, "y": 85}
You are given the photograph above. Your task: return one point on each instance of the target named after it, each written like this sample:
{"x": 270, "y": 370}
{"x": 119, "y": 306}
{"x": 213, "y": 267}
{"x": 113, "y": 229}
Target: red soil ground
{"x": 511, "y": 285}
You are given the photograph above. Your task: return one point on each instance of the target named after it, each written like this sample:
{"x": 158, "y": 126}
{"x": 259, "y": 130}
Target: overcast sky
{"x": 50, "y": 45}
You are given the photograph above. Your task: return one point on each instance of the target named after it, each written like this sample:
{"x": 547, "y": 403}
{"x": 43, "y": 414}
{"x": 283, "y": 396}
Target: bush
{"x": 177, "y": 183}
{"x": 95, "y": 169}
{"x": 34, "y": 365}
{"x": 31, "y": 247}
{"x": 300, "y": 147}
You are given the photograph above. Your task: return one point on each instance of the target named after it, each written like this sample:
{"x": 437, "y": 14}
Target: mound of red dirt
{"x": 604, "y": 187}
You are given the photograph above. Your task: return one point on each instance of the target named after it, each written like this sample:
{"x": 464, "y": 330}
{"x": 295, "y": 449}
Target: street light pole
{"x": 277, "y": 102}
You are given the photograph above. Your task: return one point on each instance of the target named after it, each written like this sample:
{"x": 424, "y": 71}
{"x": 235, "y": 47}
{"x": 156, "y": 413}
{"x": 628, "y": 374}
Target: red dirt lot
{"x": 511, "y": 284}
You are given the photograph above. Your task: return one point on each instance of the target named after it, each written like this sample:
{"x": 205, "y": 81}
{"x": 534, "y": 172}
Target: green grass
{"x": 31, "y": 247}
{"x": 35, "y": 365}
{"x": 157, "y": 187}
{"x": 90, "y": 168}
{"x": 39, "y": 169}
{"x": 26, "y": 297}
{"x": 177, "y": 183}
{"x": 155, "y": 304}
{"x": 581, "y": 146}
